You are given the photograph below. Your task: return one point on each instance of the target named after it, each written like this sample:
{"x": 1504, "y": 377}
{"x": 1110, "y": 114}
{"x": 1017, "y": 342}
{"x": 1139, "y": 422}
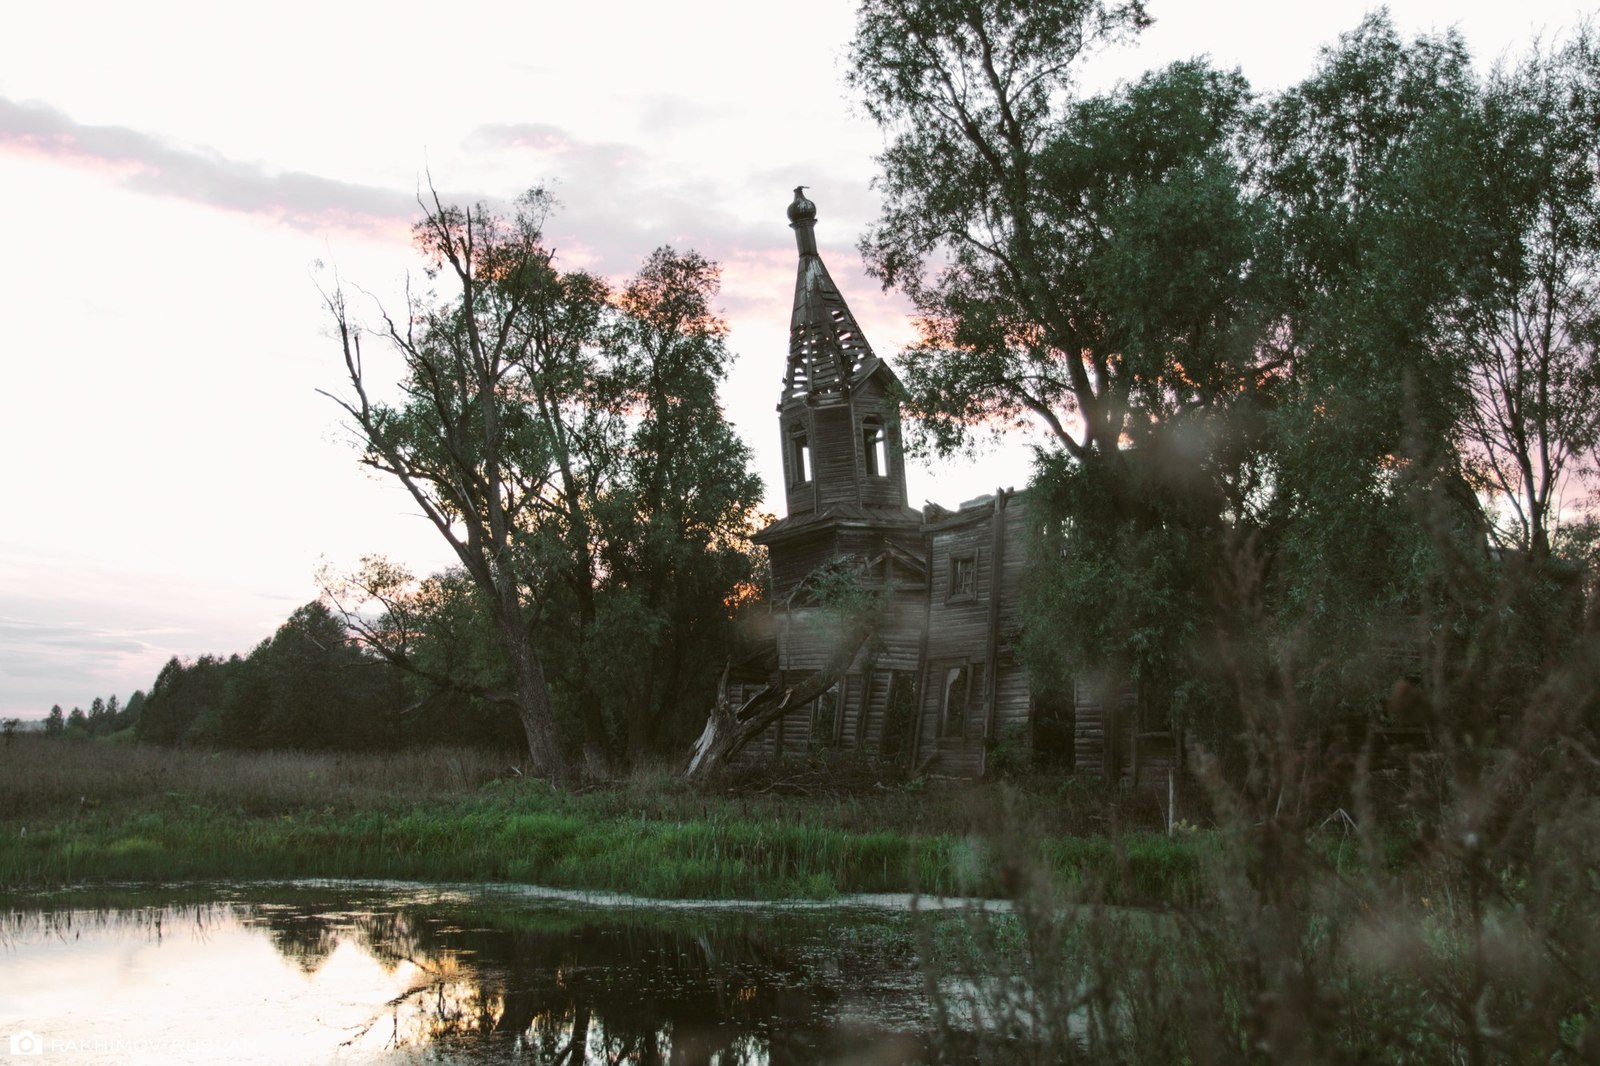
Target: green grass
{"x": 73, "y": 813}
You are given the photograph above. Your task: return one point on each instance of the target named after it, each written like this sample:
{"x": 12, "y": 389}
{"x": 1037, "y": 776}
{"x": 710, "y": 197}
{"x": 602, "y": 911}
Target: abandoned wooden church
{"x": 940, "y": 687}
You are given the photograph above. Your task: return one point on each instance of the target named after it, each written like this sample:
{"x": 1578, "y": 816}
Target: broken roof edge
{"x": 898, "y": 518}
{"x": 936, "y": 517}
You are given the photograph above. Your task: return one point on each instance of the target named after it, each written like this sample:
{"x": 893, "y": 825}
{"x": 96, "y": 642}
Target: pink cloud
{"x": 151, "y": 165}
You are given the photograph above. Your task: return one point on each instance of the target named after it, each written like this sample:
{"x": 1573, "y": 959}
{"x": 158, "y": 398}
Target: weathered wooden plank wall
{"x": 979, "y": 628}
{"x": 833, "y": 449}
{"x": 806, "y": 640}
{"x": 1105, "y": 724}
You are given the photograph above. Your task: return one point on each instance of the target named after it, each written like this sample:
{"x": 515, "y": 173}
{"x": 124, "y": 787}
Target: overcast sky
{"x": 173, "y": 174}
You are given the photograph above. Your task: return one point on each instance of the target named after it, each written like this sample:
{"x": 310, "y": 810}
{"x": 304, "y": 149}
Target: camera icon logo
{"x": 26, "y": 1042}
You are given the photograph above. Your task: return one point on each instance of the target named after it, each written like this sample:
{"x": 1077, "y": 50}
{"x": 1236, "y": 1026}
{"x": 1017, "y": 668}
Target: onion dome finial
{"x": 801, "y": 210}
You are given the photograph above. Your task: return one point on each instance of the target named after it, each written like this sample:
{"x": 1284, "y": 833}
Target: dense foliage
{"x": 1317, "y": 374}
{"x": 307, "y": 687}
{"x": 1336, "y": 344}
{"x": 566, "y": 441}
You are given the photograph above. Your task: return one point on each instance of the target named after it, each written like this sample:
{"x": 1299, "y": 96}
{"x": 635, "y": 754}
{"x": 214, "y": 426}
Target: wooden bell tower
{"x": 843, "y": 463}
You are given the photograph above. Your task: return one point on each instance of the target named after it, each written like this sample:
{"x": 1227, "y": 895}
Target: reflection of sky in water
{"x": 273, "y": 982}
{"x": 213, "y": 990}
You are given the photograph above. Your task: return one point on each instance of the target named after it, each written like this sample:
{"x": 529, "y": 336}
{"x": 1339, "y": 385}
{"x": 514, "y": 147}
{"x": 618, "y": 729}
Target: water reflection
{"x": 354, "y": 974}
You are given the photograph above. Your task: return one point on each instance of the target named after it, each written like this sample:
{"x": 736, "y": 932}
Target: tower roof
{"x": 828, "y": 354}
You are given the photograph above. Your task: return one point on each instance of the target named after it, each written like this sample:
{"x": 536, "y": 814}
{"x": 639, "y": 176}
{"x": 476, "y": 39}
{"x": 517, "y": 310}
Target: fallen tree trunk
{"x": 729, "y": 729}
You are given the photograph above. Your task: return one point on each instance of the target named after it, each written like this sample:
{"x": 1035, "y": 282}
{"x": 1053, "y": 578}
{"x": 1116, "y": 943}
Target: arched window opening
{"x": 799, "y": 458}
{"x": 875, "y": 445}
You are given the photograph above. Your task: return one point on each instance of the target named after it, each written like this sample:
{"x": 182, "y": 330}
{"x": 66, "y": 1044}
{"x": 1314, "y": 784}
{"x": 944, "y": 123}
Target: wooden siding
{"x": 807, "y": 635}
{"x": 834, "y": 433}
{"x": 833, "y": 456}
{"x": 1089, "y": 721}
{"x": 1014, "y": 708}
{"x": 762, "y": 749}
{"x": 979, "y": 629}
{"x": 869, "y": 738}
{"x": 866, "y": 543}
{"x": 794, "y": 560}
{"x": 1106, "y": 741}
{"x": 1151, "y": 757}
{"x": 929, "y": 630}
{"x": 806, "y": 641}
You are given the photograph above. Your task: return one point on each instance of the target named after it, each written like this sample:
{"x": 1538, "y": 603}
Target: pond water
{"x": 385, "y": 973}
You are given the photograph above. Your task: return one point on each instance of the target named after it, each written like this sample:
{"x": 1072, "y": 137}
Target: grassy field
{"x": 82, "y": 812}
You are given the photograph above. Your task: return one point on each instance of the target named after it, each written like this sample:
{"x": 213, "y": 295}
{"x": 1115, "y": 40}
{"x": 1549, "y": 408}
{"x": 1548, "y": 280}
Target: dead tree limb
{"x": 729, "y": 729}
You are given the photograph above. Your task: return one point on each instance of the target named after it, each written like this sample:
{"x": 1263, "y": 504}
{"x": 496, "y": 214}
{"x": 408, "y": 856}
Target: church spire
{"x": 827, "y": 353}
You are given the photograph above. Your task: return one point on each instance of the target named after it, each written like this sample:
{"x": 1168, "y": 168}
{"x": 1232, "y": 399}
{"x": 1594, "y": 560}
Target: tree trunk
{"x": 577, "y": 1050}
{"x": 597, "y": 763}
{"x": 533, "y": 695}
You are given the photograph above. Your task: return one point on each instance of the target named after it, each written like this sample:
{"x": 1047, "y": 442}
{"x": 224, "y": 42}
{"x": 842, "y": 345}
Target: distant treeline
{"x": 309, "y": 686}
{"x": 104, "y": 718}
{"x": 317, "y": 684}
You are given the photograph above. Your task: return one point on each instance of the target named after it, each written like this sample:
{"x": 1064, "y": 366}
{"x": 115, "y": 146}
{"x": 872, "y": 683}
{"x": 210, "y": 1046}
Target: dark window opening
{"x": 960, "y": 688}
{"x": 875, "y": 445}
{"x": 963, "y": 576}
{"x": 900, "y": 708}
{"x": 825, "y": 710}
{"x": 1053, "y": 721}
{"x": 800, "y": 458}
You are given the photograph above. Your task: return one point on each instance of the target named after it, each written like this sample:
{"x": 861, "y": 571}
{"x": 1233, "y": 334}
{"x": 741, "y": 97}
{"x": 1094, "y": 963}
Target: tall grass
{"x": 1451, "y": 916}
{"x": 84, "y": 812}
{"x": 48, "y": 777}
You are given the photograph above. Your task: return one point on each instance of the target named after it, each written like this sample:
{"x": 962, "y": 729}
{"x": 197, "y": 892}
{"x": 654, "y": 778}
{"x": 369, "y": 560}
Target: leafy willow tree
{"x": 973, "y": 96}
{"x": 567, "y": 442}
{"x": 434, "y": 628}
{"x": 1530, "y": 338}
{"x": 675, "y": 524}
{"x": 1106, "y": 271}
{"x": 1242, "y": 324}
{"x": 463, "y": 440}
{"x": 1368, "y": 169}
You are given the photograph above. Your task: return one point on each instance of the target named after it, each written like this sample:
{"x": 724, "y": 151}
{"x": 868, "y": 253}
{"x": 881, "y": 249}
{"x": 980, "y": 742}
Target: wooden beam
{"x": 997, "y": 559}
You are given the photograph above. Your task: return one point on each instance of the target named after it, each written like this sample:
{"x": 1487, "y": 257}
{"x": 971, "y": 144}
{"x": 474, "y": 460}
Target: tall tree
{"x": 625, "y": 498}
{"x": 187, "y": 700}
{"x": 677, "y": 520}
{"x": 997, "y": 167}
{"x": 131, "y": 712}
{"x": 1368, "y": 168}
{"x": 461, "y": 440}
{"x": 1105, "y": 271}
{"x": 1229, "y": 315}
{"x": 1531, "y": 335}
